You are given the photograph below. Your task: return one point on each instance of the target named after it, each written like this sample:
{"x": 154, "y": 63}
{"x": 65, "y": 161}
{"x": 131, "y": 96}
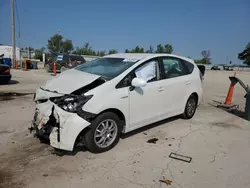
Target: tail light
{"x": 7, "y": 71}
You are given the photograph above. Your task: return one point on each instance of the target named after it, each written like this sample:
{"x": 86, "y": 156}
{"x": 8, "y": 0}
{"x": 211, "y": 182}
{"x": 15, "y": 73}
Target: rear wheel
{"x": 190, "y": 108}
{"x": 104, "y": 133}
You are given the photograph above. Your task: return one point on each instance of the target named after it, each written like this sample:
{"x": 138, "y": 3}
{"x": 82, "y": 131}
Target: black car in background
{"x": 5, "y": 75}
{"x": 63, "y": 62}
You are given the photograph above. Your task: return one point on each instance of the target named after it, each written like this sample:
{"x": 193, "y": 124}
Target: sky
{"x": 221, "y": 26}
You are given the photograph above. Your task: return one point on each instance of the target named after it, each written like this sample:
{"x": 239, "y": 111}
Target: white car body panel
{"x": 156, "y": 101}
{"x": 69, "y": 81}
{"x": 70, "y": 125}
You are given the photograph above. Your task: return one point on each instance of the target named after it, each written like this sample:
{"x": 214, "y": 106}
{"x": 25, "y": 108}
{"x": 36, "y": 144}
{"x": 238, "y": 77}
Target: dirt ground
{"x": 217, "y": 141}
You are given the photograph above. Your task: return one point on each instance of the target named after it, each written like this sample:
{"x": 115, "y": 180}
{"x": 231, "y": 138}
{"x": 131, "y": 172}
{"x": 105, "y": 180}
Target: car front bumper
{"x": 59, "y": 127}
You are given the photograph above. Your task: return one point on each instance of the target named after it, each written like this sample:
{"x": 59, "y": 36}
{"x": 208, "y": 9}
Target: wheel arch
{"x": 196, "y": 96}
{"x": 119, "y": 113}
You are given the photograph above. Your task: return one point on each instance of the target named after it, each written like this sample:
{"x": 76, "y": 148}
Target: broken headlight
{"x": 72, "y": 103}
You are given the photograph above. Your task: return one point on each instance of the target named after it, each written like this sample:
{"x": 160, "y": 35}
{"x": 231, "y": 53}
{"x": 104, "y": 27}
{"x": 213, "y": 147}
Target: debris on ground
{"x": 145, "y": 133}
{"x": 152, "y": 140}
{"x": 180, "y": 157}
{"x": 166, "y": 138}
{"x": 45, "y": 175}
{"x": 169, "y": 144}
{"x": 166, "y": 181}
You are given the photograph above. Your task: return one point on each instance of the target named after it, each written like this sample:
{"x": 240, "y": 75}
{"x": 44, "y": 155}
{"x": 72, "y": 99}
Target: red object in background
{"x": 16, "y": 64}
{"x": 230, "y": 93}
{"x": 54, "y": 68}
{"x": 25, "y": 65}
{"x": 70, "y": 63}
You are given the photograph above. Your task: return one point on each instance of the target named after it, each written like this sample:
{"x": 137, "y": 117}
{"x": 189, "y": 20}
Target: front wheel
{"x": 104, "y": 133}
{"x": 190, "y": 108}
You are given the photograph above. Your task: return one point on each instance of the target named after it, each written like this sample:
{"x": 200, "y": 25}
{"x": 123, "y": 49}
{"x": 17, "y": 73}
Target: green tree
{"x": 168, "y": 49}
{"x": 200, "y": 61}
{"x": 245, "y": 55}
{"x": 160, "y": 49}
{"x": 67, "y": 46}
{"x": 39, "y": 53}
{"x": 206, "y": 56}
{"x": 56, "y": 44}
{"x": 112, "y": 51}
{"x": 137, "y": 50}
{"x": 85, "y": 50}
{"x": 127, "y": 51}
{"x": 29, "y": 49}
{"x": 101, "y": 53}
{"x": 150, "y": 50}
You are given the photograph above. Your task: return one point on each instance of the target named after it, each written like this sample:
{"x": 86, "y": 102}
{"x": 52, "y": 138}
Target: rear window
{"x": 190, "y": 66}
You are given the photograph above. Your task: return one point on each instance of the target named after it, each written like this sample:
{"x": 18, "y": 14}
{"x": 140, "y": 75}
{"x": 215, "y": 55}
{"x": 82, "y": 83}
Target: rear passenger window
{"x": 190, "y": 66}
{"x": 174, "y": 67}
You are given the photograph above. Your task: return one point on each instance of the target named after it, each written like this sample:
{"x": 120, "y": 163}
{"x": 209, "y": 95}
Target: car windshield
{"x": 106, "y": 67}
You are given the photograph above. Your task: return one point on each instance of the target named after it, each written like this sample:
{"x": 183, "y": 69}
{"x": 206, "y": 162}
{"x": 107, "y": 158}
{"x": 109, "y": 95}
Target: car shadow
{"x": 12, "y": 82}
{"x": 234, "y": 111}
{"x": 62, "y": 153}
{"x": 238, "y": 113}
{"x": 150, "y": 126}
{"x": 82, "y": 148}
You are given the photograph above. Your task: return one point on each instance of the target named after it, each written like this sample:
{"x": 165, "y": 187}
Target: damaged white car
{"x": 96, "y": 102}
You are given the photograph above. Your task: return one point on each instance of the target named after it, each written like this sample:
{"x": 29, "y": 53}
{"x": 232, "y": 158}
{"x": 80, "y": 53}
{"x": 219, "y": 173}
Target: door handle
{"x": 188, "y": 82}
{"x": 160, "y": 89}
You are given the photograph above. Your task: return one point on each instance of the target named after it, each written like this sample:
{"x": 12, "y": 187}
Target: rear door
{"x": 176, "y": 81}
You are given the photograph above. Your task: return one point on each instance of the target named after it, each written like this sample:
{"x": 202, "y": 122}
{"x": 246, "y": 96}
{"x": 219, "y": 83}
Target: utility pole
{"x": 13, "y": 34}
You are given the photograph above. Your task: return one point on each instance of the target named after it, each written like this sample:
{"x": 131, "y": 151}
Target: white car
{"x": 96, "y": 102}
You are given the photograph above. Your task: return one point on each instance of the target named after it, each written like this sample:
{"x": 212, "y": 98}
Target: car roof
{"x": 140, "y": 56}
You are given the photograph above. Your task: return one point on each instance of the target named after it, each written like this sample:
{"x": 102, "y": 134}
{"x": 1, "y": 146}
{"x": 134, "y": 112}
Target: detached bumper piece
{"x": 45, "y": 130}
{"x": 58, "y": 127}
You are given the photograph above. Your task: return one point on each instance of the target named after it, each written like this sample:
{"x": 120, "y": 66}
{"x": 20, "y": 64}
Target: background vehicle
{"x": 5, "y": 75}
{"x": 215, "y": 67}
{"x": 63, "y": 62}
{"x": 228, "y": 68}
{"x": 114, "y": 94}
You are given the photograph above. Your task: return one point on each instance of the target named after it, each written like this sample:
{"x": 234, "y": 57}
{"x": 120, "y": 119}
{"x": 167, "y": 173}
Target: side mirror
{"x": 138, "y": 82}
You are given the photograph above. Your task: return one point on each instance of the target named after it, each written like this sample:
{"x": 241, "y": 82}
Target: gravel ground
{"x": 215, "y": 140}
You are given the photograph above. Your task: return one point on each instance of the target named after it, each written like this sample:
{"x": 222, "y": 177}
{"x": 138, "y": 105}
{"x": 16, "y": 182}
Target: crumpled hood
{"x": 69, "y": 81}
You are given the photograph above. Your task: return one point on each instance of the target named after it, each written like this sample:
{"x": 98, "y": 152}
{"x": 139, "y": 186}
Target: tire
{"x": 190, "y": 107}
{"x": 62, "y": 69}
{"x": 47, "y": 67}
{"x": 96, "y": 137}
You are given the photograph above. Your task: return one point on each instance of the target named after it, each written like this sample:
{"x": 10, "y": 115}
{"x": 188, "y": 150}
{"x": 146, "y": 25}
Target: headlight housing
{"x": 72, "y": 103}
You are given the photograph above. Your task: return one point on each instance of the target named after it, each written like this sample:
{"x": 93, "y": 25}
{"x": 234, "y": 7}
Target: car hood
{"x": 69, "y": 81}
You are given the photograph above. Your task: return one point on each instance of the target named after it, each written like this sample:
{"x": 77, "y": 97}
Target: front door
{"x": 145, "y": 103}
